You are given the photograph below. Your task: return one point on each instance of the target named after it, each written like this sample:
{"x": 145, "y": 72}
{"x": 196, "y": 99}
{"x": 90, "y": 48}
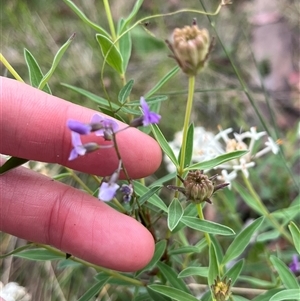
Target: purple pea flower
{"x": 79, "y": 127}
{"x": 149, "y": 117}
{"x": 295, "y": 265}
{"x": 107, "y": 191}
{"x": 108, "y": 126}
{"x": 80, "y": 149}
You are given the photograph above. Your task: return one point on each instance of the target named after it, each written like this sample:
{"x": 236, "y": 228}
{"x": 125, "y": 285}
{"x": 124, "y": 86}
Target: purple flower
{"x": 80, "y": 149}
{"x": 108, "y": 126}
{"x": 107, "y": 191}
{"x": 148, "y": 116}
{"x": 295, "y": 264}
{"x": 79, "y": 127}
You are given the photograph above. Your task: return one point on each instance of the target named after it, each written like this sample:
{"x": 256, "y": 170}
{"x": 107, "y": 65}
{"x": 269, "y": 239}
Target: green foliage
{"x": 190, "y": 250}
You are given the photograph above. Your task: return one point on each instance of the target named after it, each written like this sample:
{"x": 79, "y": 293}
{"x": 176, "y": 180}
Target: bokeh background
{"x": 260, "y": 37}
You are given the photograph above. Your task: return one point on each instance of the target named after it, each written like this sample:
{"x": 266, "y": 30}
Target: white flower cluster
{"x": 12, "y": 291}
{"x": 208, "y": 146}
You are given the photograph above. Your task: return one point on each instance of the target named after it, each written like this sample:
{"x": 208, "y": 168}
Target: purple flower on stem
{"x": 80, "y": 149}
{"x": 295, "y": 264}
{"x": 79, "y": 127}
{"x": 148, "y": 116}
{"x": 107, "y": 191}
{"x": 108, "y": 126}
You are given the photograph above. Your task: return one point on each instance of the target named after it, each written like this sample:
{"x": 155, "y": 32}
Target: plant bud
{"x": 190, "y": 47}
{"x": 221, "y": 289}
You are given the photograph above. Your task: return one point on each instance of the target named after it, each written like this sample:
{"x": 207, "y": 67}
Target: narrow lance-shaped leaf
{"x": 163, "y": 143}
{"x": 234, "y": 272}
{"x": 125, "y": 91}
{"x": 110, "y": 52}
{"x": 93, "y": 290}
{"x": 295, "y": 235}
{"x": 241, "y": 241}
{"x": 40, "y": 255}
{"x": 175, "y": 212}
{"x": 206, "y": 226}
{"x": 134, "y": 11}
{"x": 209, "y": 164}
{"x": 290, "y": 294}
{"x": 35, "y": 72}
{"x": 125, "y": 47}
{"x": 172, "y": 277}
{"x": 189, "y": 146}
{"x": 175, "y": 294}
{"x": 84, "y": 18}
{"x": 160, "y": 248}
{"x": 213, "y": 269}
{"x": 55, "y": 62}
{"x": 287, "y": 277}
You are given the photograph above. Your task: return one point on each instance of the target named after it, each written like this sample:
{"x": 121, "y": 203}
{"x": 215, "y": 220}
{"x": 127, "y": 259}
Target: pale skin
{"x": 36, "y": 208}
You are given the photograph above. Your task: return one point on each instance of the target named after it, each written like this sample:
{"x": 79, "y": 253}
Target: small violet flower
{"x": 79, "y": 127}
{"x": 80, "y": 149}
{"x": 108, "y": 126}
{"x": 295, "y": 264}
{"x": 148, "y": 116}
{"x": 107, "y": 191}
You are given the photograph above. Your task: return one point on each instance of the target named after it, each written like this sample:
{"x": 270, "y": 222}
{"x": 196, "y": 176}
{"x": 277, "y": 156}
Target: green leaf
{"x": 15, "y": 251}
{"x": 12, "y": 163}
{"x": 175, "y": 213}
{"x": 234, "y": 272}
{"x": 153, "y": 198}
{"x": 194, "y": 271}
{"x": 165, "y": 79}
{"x": 213, "y": 269}
{"x": 241, "y": 241}
{"x": 209, "y": 164}
{"x": 83, "y": 17}
{"x": 110, "y": 53}
{"x": 125, "y": 47}
{"x": 266, "y": 296}
{"x": 134, "y": 11}
{"x": 125, "y": 92}
{"x": 39, "y": 255}
{"x": 160, "y": 248}
{"x": 290, "y": 294}
{"x": 189, "y": 146}
{"x": 55, "y": 62}
{"x": 249, "y": 200}
{"x": 35, "y": 72}
{"x": 206, "y": 226}
{"x": 256, "y": 282}
{"x": 185, "y": 250}
{"x": 157, "y": 296}
{"x": 270, "y": 235}
{"x": 93, "y": 290}
{"x": 295, "y": 235}
{"x": 160, "y": 138}
{"x": 288, "y": 279}
{"x": 173, "y": 293}
{"x": 93, "y": 97}
{"x": 172, "y": 277}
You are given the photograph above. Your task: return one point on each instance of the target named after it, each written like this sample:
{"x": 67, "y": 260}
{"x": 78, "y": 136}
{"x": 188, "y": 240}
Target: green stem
{"x": 201, "y": 216}
{"x": 265, "y": 211}
{"x": 79, "y": 181}
{"x": 109, "y": 272}
{"x": 187, "y": 117}
{"x": 10, "y": 68}
{"x": 110, "y": 19}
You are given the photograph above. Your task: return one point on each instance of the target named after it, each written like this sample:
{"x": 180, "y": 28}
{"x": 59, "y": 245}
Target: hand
{"x": 36, "y": 208}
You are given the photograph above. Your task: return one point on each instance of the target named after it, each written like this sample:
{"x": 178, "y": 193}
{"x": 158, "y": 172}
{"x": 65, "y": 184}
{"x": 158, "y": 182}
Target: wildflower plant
{"x": 195, "y": 258}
